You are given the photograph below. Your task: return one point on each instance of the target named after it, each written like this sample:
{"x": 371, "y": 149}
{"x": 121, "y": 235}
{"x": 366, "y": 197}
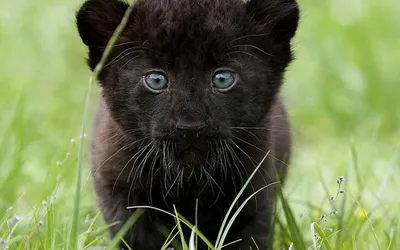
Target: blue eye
{"x": 156, "y": 81}
{"x": 224, "y": 80}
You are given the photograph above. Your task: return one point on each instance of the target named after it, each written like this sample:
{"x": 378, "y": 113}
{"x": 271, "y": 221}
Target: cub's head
{"x": 185, "y": 73}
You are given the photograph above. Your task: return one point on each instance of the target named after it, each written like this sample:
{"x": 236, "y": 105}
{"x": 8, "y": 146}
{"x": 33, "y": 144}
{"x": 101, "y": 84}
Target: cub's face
{"x": 187, "y": 75}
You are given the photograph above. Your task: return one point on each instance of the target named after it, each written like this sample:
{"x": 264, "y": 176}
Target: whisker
{"x": 212, "y": 180}
{"x": 180, "y": 177}
{"x": 140, "y": 167}
{"x": 251, "y": 133}
{"x": 234, "y": 60}
{"x": 121, "y": 55}
{"x": 123, "y": 169}
{"x": 272, "y": 129}
{"x": 254, "y": 146}
{"x": 125, "y": 43}
{"x": 152, "y": 174}
{"x": 123, "y": 148}
{"x": 254, "y": 162}
{"x": 232, "y": 162}
{"x": 224, "y": 164}
{"x": 170, "y": 188}
{"x": 253, "y": 47}
{"x": 164, "y": 165}
{"x": 249, "y": 54}
{"x": 248, "y": 143}
{"x": 139, "y": 154}
{"x": 261, "y": 128}
{"x": 237, "y": 161}
{"x": 246, "y": 36}
{"x": 269, "y": 155}
{"x": 250, "y": 158}
{"x": 130, "y": 60}
{"x": 171, "y": 160}
{"x": 123, "y": 136}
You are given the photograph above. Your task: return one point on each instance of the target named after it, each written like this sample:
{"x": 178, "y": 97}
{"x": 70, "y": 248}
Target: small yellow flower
{"x": 317, "y": 212}
{"x": 360, "y": 213}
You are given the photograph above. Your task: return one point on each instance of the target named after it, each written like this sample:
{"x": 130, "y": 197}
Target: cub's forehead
{"x": 186, "y": 12}
{"x": 188, "y": 28}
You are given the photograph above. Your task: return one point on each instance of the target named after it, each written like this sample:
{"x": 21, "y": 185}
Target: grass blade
{"x": 368, "y": 220}
{"x": 126, "y": 244}
{"x": 170, "y": 237}
{"x": 342, "y": 212}
{"x": 234, "y": 216}
{"x": 181, "y": 219}
{"x": 182, "y": 236}
{"x": 317, "y": 229}
{"x": 125, "y": 228}
{"x": 291, "y": 221}
{"x": 222, "y": 228}
{"x": 73, "y": 235}
{"x": 192, "y": 243}
{"x": 314, "y": 238}
{"x": 49, "y": 231}
{"x": 196, "y": 220}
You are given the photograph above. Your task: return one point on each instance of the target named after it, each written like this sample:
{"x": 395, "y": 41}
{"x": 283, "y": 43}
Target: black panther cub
{"x": 189, "y": 106}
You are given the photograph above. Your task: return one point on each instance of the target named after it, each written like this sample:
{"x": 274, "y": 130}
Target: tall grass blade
{"x": 49, "y": 237}
{"x": 192, "y": 241}
{"x": 196, "y": 220}
{"x": 125, "y": 228}
{"x": 391, "y": 238}
{"x": 318, "y": 230}
{"x": 368, "y": 221}
{"x": 170, "y": 237}
{"x": 181, "y": 219}
{"x": 383, "y": 187}
{"x": 222, "y": 228}
{"x": 182, "y": 236}
{"x": 73, "y": 235}
{"x": 231, "y": 243}
{"x": 126, "y": 244}
{"x": 234, "y": 216}
{"x": 342, "y": 212}
{"x": 291, "y": 221}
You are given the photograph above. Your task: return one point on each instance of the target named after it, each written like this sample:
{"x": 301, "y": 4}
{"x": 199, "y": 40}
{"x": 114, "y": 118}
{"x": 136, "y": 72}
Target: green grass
{"x": 341, "y": 94}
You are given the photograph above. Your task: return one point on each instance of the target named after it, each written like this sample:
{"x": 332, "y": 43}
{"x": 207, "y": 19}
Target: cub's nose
{"x": 191, "y": 132}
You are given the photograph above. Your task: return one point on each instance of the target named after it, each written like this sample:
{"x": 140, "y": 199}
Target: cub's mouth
{"x": 193, "y": 155}
{"x": 197, "y": 148}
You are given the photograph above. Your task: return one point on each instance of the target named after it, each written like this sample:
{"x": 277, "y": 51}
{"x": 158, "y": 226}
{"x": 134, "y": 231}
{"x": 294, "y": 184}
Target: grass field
{"x": 342, "y": 95}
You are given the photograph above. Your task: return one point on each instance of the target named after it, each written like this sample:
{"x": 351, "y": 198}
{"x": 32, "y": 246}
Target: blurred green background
{"x": 342, "y": 92}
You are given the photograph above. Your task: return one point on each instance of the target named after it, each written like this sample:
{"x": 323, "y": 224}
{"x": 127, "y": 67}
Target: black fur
{"x": 148, "y": 148}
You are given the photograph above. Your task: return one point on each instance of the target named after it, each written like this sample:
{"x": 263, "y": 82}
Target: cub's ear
{"x": 98, "y": 19}
{"x": 280, "y": 17}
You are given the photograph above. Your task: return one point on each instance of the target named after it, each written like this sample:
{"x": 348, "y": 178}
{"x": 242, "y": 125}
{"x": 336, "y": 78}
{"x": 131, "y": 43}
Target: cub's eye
{"x": 156, "y": 81}
{"x": 224, "y": 80}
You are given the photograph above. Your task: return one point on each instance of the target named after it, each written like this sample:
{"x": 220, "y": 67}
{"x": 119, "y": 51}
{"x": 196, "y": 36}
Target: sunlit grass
{"x": 342, "y": 98}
